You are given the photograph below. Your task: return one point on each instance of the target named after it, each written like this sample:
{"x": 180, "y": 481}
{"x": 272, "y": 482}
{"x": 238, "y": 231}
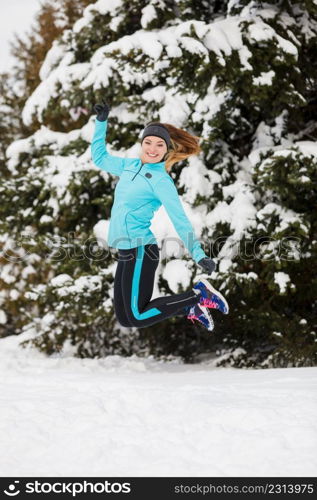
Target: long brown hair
{"x": 183, "y": 145}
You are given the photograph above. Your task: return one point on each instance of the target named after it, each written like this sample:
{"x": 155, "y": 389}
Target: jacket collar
{"x": 157, "y": 166}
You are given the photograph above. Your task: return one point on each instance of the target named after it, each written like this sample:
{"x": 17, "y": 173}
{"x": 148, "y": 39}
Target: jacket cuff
{"x": 199, "y": 254}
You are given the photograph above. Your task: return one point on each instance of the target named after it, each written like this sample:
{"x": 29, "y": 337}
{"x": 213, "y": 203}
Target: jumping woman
{"x": 145, "y": 185}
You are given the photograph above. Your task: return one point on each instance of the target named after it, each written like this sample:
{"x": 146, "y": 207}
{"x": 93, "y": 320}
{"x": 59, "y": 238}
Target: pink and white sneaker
{"x": 210, "y": 297}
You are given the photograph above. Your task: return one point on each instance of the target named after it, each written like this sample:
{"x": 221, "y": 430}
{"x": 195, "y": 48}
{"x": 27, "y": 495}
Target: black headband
{"x": 157, "y": 131}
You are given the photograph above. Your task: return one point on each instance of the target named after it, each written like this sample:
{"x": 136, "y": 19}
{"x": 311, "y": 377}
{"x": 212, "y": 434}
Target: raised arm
{"x": 166, "y": 192}
{"x": 100, "y": 156}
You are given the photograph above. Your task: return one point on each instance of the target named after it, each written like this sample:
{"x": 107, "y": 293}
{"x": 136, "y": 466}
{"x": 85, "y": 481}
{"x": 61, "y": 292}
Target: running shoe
{"x": 210, "y": 297}
{"x": 200, "y": 313}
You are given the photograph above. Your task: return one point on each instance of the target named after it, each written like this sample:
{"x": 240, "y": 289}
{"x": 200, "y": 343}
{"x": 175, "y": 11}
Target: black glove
{"x": 102, "y": 111}
{"x": 207, "y": 264}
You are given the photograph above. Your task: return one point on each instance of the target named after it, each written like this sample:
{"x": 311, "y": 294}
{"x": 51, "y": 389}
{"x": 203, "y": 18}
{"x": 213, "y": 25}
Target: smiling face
{"x": 153, "y": 149}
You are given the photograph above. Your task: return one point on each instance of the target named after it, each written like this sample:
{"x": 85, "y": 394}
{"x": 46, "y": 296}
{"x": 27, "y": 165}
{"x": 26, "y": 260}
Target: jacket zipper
{"x": 137, "y": 172}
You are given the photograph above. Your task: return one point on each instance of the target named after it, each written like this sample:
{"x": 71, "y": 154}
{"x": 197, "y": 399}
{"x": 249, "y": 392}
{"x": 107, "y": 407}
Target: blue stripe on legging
{"x": 135, "y": 288}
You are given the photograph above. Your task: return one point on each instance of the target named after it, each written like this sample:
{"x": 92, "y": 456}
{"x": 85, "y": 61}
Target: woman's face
{"x": 153, "y": 149}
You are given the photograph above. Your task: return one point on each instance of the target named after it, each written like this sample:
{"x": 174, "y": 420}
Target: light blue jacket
{"x": 140, "y": 191}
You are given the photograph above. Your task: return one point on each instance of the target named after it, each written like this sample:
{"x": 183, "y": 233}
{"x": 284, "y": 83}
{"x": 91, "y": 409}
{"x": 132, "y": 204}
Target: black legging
{"x": 133, "y": 288}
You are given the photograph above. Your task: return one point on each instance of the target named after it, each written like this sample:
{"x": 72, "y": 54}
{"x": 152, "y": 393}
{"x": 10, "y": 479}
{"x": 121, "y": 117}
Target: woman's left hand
{"x": 207, "y": 264}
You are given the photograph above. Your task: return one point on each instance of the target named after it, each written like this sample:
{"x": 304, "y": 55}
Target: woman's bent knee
{"x": 123, "y": 321}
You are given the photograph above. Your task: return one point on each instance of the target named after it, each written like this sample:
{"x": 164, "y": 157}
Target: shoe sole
{"x": 216, "y": 292}
{"x": 206, "y": 312}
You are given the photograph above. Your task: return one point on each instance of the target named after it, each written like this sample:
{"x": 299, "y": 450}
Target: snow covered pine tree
{"x": 239, "y": 74}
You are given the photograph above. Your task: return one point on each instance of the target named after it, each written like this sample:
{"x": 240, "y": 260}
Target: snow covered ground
{"x": 62, "y": 416}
